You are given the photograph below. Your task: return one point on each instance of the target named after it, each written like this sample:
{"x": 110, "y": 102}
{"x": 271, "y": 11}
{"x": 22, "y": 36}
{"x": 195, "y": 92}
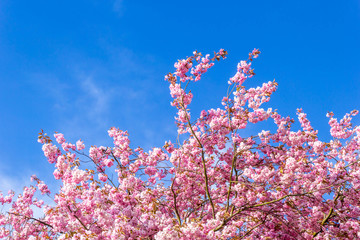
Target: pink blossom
{"x": 80, "y": 145}
{"x": 59, "y": 138}
{"x": 216, "y": 181}
{"x": 103, "y": 177}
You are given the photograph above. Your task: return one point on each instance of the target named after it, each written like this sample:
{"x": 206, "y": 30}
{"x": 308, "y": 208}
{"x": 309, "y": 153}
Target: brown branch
{"x": 236, "y": 193}
{"x": 230, "y": 180}
{"x": 252, "y": 229}
{"x": 203, "y": 162}
{"x": 77, "y": 218}
{"x": 176, "y": 210}
{"x": 225, "y": 221}
{"x": 31, "y": 218}
{"x": 327, "y": 217}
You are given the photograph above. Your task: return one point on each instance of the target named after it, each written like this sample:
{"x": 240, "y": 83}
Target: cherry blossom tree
{"x": 213, "y": 183}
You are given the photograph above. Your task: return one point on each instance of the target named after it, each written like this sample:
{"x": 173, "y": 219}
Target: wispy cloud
{"x": 121, "y": 89}
{"x": 118, "y": 7}
{"x": 94, "y": 99}
{"x": 12, "y": 182}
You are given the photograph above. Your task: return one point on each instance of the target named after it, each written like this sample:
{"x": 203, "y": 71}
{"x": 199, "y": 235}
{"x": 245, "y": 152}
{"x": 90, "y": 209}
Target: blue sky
{"x": 81, "y": 67}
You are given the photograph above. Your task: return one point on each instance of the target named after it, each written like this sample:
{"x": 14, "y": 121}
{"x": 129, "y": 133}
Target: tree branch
{"x": 31, "y": 218}
{"x": 176, "y": 210}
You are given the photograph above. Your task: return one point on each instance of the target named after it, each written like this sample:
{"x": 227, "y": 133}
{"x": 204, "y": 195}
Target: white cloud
{"x": 90, "y": 95}
{"x": 99, "y": 98}
{"x": 12, "y": 183}
{"x": 118, "y": 7}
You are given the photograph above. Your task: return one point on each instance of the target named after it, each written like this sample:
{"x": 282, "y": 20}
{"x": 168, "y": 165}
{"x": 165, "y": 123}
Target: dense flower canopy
{"x": 213, "y": 183}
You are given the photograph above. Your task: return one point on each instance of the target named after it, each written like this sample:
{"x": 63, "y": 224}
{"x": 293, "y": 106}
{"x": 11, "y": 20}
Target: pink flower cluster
{"x": 215, "y": 182}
